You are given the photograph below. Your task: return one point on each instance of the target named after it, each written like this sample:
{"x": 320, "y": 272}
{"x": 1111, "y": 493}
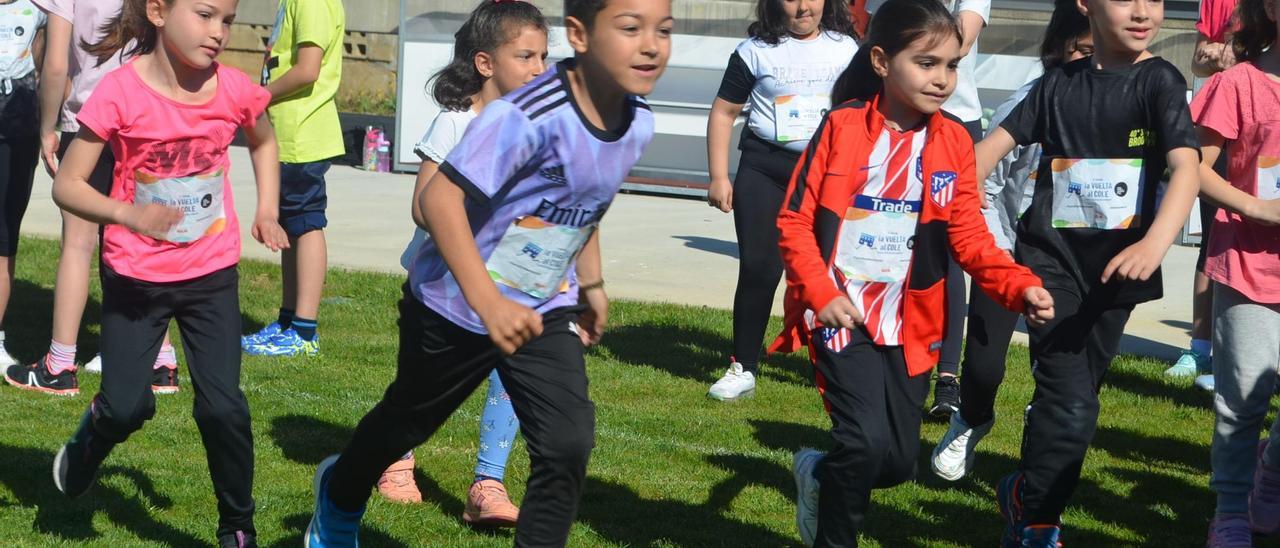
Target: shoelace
{"x": 962, "y": 440}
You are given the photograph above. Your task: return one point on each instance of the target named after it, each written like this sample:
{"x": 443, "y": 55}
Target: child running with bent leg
{"x": 510, "y": 277}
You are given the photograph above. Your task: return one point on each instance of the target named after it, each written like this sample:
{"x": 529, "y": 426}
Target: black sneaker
{"x": 238, "y": 539}
{"x": 76, "y": 466}
{"x": 164, "y": 380}
{"x": 946, "y": 397}
{"x": 36, "y": 377}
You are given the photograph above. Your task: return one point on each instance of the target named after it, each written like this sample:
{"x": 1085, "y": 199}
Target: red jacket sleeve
{"x": 807, "y": 273}
{"x": 975, "y": 248}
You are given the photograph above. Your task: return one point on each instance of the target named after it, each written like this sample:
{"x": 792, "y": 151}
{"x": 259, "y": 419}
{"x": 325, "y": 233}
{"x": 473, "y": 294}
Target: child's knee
{"x": 231, "y": 414}
{"x": 571, "y": 443}
{"x": 117, "y": 423}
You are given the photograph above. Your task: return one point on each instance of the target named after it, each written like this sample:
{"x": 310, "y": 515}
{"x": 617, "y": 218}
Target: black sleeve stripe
{"x": 738, "y": 81}
{"x": 464, "y": 183}
{"x": 527, "y": 104}
{"x": 638, "y": 103}
{"x": 549, "y": 108}
{"x": 535, "y": 89}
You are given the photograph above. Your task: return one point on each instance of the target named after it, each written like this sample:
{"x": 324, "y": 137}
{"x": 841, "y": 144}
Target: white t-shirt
{"x": 792, "y": 86}
{"x": 964, "y": 103}
{"x": 86, "y": 18}
{"x": 19, "y": 22}
{"x": 445, "y": 132}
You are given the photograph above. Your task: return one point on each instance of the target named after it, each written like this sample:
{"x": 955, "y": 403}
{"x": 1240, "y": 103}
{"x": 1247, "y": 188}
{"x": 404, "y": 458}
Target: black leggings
{"x": 953, "y": 339}
{"x": 18, "y": 161}
{"x": 986, "y": 346}
{"x": 758, "y": 191}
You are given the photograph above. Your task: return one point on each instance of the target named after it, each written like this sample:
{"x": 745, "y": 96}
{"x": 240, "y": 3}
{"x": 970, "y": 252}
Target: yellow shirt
{"x": 306, "y": 122}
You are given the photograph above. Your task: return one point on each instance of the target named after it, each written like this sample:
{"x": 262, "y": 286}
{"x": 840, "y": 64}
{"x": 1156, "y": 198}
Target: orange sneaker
{"x": 397, "y": 482}
{"x": 489, "y": 506}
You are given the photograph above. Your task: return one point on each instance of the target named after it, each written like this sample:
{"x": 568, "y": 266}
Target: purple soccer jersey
{"x": 538, "y": 178}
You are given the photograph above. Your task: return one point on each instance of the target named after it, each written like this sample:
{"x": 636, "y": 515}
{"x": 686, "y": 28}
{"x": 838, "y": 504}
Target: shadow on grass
{"x": 1137, "y": 384}
{"x": 1138, "y": 446}
{"x": 26, "y": 472}
{"x": 695, "y": 353}
{"x": 29, "y": 319}
{"x": 296, "y": 526}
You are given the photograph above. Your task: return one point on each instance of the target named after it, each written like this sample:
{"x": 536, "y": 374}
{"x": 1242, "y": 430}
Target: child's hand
{"x": 269, "y": 233}
{"x": 153, "y": 220}
{"x": 510, "y": 324}
{"x": 1136, "y": 262}
{"x": 592, "y": 322}
{"x": 840, "y": 312}
{"x": 1039, "y": 306}
{"x": 720, "y": 195}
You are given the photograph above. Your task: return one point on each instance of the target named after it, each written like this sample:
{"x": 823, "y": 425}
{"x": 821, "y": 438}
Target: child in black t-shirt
{"x": 1109, "y": 125}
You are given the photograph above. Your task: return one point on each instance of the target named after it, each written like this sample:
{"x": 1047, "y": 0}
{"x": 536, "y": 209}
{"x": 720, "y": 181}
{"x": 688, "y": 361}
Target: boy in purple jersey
{"x": 511, "y": 278}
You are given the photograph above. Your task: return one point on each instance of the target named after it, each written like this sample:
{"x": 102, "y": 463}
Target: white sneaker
{"x": 94, "y": 365}
{"x": 735, "y": 384}
{"x": 803, "y": 464}
{"x": 1205, "y": 382}
{"x": 954, "y": 455}
{"x": 6, "y": 361}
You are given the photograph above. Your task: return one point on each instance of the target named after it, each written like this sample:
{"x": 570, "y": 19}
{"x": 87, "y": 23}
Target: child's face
{"x": 193, "y": 31}
{"x": 631, "y": 41}
{"x": 923, "y": 75}
{"x": 518, "y": 61}
{"x": 1124, "y": 25}
{"x": 803, "y": 16}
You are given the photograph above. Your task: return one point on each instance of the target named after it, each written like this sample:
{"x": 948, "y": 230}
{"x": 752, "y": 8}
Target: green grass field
{"x": 671, "y": 468}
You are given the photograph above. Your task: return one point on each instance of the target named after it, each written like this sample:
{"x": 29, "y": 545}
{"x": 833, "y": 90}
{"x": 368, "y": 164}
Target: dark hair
{"x": 490, "y": 25}
{"x": 584, "y": 10}
{"x": 1066, "y": 26}
{"x": 1256, "y": 31}
{"x": 894, "y": 27}
{"x": 130, "y": 25}
{"x": 770, "y": 26}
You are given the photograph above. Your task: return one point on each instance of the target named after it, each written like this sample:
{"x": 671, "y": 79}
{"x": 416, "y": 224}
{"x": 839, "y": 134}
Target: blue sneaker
{"x": 286, "y": 343}
{"x": 330, "y": 527}
{"x": 1017, "y": 532}
{"x": 803, "y": 463}
{"x": 1190, "y": 364}
{"x": 261, "y": 336}
{"x": 1041, "y": 536}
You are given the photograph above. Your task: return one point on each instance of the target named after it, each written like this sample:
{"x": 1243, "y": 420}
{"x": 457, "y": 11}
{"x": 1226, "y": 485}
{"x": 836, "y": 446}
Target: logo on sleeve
{"x": 942, "y": 187}
{"x": 555, "y": 174}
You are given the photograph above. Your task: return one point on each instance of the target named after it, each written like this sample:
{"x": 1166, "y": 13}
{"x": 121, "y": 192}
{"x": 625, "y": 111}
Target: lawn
{"x": 671, "y": 467}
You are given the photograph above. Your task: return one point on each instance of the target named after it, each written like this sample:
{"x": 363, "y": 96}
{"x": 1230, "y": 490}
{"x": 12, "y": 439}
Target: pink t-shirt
{"x": 1215, "y": 19}
{"x": 86, "y": 18}
{"x": 1243, "y": 104}
{"x": 175, "y": 154}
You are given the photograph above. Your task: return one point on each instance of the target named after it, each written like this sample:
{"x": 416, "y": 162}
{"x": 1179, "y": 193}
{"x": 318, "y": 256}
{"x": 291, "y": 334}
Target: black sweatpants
{"x": 18, "y": 159}
{"x": 439, "y": 366}
{"x": 758, "y": 191}
{"x": 135, "y": 316}
{"x": 985, "y": 349}
{"x": 1069, "y": 358}
{"x": 875, "y": 411}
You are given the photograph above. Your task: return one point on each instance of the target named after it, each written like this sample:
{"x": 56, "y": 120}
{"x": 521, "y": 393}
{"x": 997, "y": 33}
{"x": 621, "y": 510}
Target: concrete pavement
{"x": 655, "y": 248}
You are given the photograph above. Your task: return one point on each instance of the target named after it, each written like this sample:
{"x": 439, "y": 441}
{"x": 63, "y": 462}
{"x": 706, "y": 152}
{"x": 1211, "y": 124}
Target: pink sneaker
{"x": 397, "y": 482}
{"x": 1230, "y": 531}
{"x": 1264, "y": 498}
{"x": 489, "y": 506}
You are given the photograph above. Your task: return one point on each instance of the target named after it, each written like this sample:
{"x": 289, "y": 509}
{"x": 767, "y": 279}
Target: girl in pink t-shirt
{"x": 171, "y": 242}
{"x": 1241, "y": 106}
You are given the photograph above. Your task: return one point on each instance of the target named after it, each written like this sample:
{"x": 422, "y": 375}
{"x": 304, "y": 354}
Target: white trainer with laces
{"x": 735, "y": 384}
{"x": 94, "y": 365}
{"x": 955, "y": 453}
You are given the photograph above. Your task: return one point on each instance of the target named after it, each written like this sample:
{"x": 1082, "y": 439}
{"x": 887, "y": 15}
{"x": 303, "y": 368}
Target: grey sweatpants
{"x": 1246, "y": 353}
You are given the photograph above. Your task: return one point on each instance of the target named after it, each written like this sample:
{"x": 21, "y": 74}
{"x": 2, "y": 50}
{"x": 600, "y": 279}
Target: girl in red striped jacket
{"x": 886, "y": 189}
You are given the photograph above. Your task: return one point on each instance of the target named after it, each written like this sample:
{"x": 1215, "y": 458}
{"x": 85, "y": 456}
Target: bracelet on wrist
{"x": 588, "y": 287}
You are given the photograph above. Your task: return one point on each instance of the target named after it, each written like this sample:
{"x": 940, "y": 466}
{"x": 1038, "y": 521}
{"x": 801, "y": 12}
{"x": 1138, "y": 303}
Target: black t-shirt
{"x": 1105, "y": 136}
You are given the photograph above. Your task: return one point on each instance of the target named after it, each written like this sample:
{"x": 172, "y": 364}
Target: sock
{"x": 167, "y": 358}
{"x": 305, "y": 328}
{"x": 1199, "y": 346}
{"x": 482, "y": 478}
{"x": 753, "y": 368}
{"x": 62, "y": 357}
{"x": 285, "y": 319}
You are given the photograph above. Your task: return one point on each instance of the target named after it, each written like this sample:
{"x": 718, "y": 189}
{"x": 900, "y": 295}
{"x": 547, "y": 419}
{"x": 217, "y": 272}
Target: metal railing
{"x": 1173, "y": 9}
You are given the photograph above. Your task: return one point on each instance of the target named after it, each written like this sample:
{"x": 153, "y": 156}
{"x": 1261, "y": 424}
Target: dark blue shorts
{"x": 303, "y": 198}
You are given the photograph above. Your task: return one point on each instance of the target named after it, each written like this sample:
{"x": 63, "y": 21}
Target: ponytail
{"x": 894, "y": 27}
{"x": 1256, "y": 32}
{"x": 130, "y": 26}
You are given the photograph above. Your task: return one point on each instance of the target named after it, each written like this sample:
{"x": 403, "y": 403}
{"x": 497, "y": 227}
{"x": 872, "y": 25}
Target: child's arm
{"x": 52, "y": 88}
{"x": 592, "y": 322}
{"x": 989, "y": 151}
{"x": 1223, "y": 193}
{"x": 719, "y": 135}
{"x": 425, "y": 173}
{"x": 304, "y": 72}
{"x": 266, "y": 169}
{"x": 510, "y": 324}
{"x": 1140, "y": 260}
{"x": 71, "y": 191}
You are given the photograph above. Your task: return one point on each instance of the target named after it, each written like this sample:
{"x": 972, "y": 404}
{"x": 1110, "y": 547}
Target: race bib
{"x": 1268, "y": 187}
{"x": 796, "y": 117}
{"x": 199, "y": 197}
{"x": 534, "y": 256}
{"x": 1093, "y": 193}
{"x": 876, "y": 239}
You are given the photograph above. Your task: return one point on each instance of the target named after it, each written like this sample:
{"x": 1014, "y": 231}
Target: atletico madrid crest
{"x": 942, "y": 187}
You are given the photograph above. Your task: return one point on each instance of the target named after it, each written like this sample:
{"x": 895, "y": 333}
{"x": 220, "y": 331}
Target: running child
{"x": 1236, "y": 111}
{"x": 510, "y": 277}
{"x": 1108, "y": 126}
{"x": 990, "y": 327}
{"x": 502, "y": 46}
{"x": 881, "y": 198}
{"x": 172, "y": 239}
{"x": 782, "y": 75}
